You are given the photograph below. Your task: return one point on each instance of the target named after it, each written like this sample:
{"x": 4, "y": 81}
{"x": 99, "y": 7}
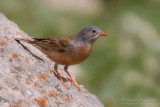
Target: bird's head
{"x": 89, "y": 34}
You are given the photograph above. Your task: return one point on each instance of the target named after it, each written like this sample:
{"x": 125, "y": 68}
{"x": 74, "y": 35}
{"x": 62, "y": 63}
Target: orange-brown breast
{"x": 71, "y": 58}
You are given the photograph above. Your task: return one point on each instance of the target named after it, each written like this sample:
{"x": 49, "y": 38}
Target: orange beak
{"x": 103, "y": 34}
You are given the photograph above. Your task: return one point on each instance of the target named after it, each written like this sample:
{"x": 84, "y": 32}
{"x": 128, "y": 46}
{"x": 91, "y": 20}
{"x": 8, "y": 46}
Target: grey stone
{"x": 26, "y": 81}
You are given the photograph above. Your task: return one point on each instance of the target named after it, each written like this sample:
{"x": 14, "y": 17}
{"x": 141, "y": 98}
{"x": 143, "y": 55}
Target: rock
{"x": 27, "y": 81}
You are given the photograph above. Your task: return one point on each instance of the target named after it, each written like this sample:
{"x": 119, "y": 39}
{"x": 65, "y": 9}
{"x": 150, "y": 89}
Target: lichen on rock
{"x": 26, "y": 81}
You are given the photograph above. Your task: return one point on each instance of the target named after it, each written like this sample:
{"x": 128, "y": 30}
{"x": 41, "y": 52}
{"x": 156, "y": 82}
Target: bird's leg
{"x": 59, "y": 77}
{"x": 71, "y": 79}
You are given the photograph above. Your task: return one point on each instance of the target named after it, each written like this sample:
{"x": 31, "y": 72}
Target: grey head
{"x": 89, "y": 34}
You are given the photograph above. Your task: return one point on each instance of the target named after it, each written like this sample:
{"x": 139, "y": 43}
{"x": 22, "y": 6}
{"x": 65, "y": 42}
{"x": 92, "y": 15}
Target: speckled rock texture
{"x": 26, "y": 81}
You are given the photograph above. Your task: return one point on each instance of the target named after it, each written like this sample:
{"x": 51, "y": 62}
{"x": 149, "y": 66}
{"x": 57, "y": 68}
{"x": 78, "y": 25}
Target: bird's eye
{"x": 93, "y": 31}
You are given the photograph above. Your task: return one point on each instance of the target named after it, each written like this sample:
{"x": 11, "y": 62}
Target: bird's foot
{"x": 65, "y": 85}
{"x": 73, "y": 82}
{"x": 63, "y": 82}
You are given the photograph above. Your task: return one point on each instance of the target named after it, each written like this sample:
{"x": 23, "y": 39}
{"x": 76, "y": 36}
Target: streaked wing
{"x": 54, "y": 44}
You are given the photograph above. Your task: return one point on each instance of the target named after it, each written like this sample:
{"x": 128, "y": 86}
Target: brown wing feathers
{"x": 58, "y": 44}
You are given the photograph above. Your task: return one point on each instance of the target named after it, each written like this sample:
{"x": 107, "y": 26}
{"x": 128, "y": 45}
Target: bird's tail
{"x": 23, "y": 40}
{"x": 30, "y": 42}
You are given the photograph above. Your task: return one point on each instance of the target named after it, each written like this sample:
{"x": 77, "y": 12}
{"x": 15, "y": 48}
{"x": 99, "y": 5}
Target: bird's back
{"x": 63, "y": 51}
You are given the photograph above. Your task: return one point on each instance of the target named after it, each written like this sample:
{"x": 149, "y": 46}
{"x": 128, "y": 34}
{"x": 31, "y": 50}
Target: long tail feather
{"x": 28, "y": 41}
{"x": 24, "y": 40}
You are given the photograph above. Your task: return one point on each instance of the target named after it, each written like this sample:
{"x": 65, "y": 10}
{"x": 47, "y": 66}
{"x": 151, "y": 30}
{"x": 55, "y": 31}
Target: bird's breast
{"x": 82, "y": 53}
{"x": 71, "y": 57}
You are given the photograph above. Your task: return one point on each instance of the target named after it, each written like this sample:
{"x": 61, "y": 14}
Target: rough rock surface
{"x": 26, "y": 81}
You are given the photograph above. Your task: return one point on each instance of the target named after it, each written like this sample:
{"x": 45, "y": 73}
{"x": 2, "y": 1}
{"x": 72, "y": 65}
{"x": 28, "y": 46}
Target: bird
{"x": 70, "y": 50}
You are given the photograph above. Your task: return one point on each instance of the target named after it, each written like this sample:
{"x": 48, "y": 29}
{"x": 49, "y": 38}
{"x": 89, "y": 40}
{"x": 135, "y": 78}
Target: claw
{"x": 65, "y": 85}
{"x": 59, "y": 77}
{"x": 73, "y": 83}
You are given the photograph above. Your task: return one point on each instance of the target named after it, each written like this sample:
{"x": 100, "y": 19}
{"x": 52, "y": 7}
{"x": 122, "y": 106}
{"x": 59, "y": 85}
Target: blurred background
{"x": 124, "y": 68}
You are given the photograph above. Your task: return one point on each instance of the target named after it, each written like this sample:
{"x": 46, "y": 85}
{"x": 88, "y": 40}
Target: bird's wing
{"x": 54, "y": 44}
